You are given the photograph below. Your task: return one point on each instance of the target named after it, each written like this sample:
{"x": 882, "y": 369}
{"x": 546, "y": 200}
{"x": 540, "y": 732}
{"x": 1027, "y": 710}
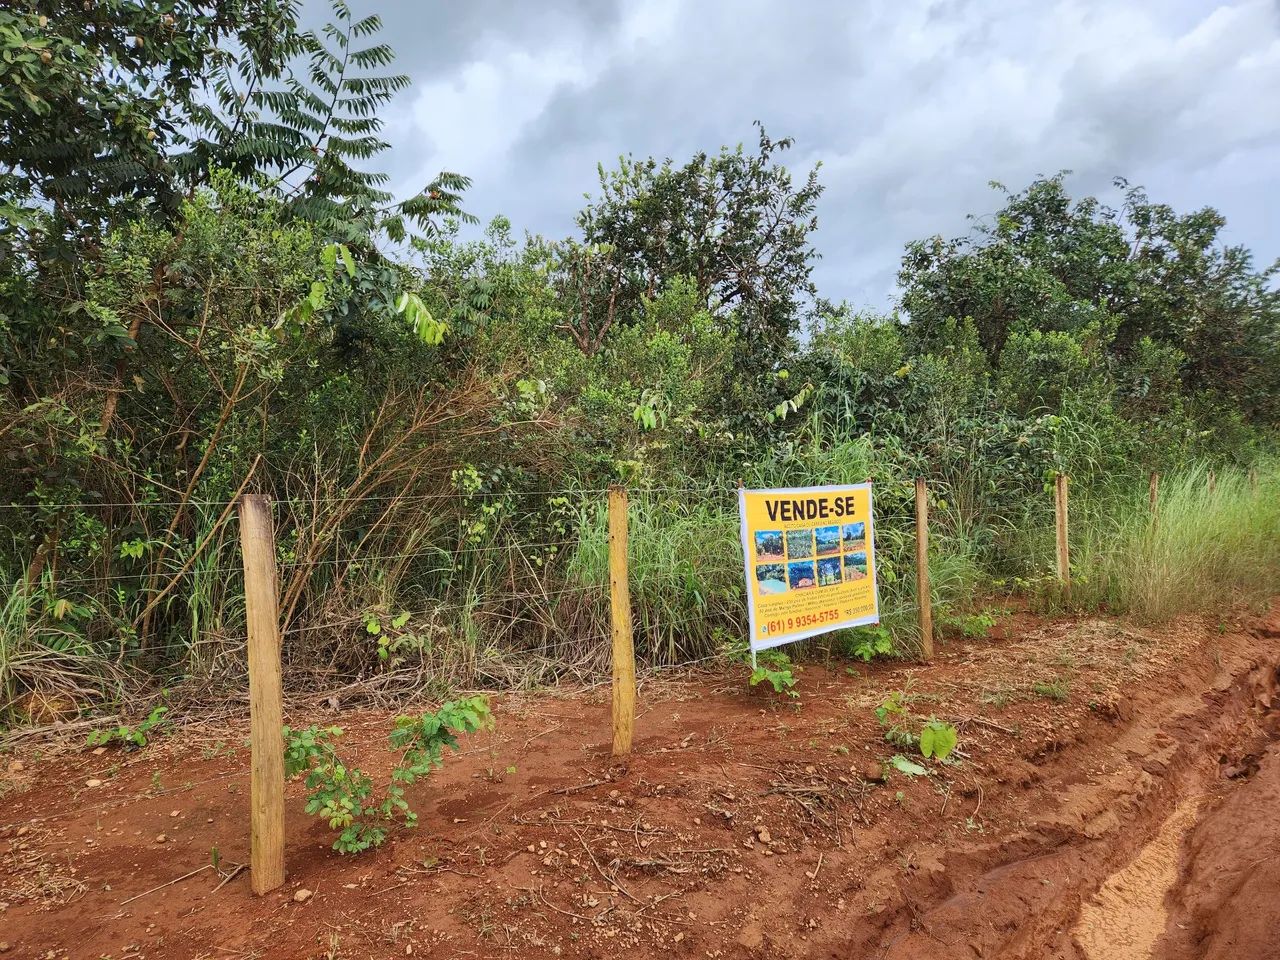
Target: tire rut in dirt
{"x": 1041, "y": 893}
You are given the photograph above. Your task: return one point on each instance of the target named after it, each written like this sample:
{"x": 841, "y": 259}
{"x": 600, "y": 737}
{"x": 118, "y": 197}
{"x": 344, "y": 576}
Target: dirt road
{"x": 1114, "y": 795}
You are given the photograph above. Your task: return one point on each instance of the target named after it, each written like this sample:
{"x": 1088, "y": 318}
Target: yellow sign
{"x": 810, "y": 560}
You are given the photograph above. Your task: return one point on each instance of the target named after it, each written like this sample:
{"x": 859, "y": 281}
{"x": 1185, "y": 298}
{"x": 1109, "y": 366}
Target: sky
{"x": 912, "y": 107}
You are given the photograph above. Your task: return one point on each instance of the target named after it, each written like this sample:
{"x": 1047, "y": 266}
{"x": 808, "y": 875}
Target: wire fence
{"x": 492, "y": 587}
{"x": 295, "y": 501}
{"x": 473, "y": 587}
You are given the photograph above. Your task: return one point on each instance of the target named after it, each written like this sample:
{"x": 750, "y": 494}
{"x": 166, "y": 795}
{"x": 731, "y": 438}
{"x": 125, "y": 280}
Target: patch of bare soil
{"x": 1111, "y": 783}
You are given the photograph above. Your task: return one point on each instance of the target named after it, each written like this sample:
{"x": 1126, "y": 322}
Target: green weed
{"x": 972, "y": 626}
{"x": 1056, "y": 690}
{"x": 344, "y": 795}
{"x": 935, "y": 738}
{"x": 134, "y": 737}
{"x": 773, "y": 667}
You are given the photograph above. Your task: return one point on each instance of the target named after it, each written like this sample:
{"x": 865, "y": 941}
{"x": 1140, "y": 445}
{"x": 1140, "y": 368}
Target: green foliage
{"x": 905, "y": 766}
{"x": 867, "y": 642}
{"x": 337, "y": 793}
{"x": 892, "y": 707}
{"x": 649, "y": 390}
{"x": 773, "y": 667}
{"x": 970, "y": 625}
{"x": 119, "y": 101}
{"x": 394, "y": 638}
{"x": 132, "y": 737}
{"x": 937, "y": 739}
{"x": 777, "y": 672}
{"x": 95, "y": 97}
{"x": 424, "y": 739}
{"x": 1057, "y": 690}
{"x": 343, "y": 796}
{"x": 895, "y": 719}
{"x": 734, "y": 222}
{"x": 206, "y": 288}
{"x": 1065, "y": 296}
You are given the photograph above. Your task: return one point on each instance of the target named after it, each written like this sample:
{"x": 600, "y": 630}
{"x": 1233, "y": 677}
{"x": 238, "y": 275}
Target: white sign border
{"x": 744, "y": 536}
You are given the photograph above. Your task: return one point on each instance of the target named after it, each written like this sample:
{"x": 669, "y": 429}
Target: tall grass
{"x": 46, "y": 666}
{"x": 1204, "y": 548}
{"x": 685, "y": 565}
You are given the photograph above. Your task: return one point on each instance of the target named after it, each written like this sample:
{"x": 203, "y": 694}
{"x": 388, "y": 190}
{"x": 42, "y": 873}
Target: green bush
{"x": 343, "y": 795}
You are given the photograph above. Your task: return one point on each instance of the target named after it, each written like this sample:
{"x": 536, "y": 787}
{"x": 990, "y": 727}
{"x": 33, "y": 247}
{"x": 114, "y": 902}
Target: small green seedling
{"x": 893, "y": 716}
{"x": 775, "y": 667}
{"x": 392, "y": 636}
{"x": 132, "y": 738}
{"x": 892, "y": 706}
{"x": 937, "y": 739}
{"x": 782, "y": 681}
{"x": 771, "y": 666}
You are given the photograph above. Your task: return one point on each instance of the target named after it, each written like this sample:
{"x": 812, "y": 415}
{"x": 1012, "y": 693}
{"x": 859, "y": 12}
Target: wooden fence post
{"x": 624, "y": 658}
{"x": 1253, "y": 480}
{"x": 266, "y": 707}
{"x": 1064, "y": 549}
{"x": 1153, "y": 494}
{"x": 1213, "y": 482}
{"x": 923, "y": 595}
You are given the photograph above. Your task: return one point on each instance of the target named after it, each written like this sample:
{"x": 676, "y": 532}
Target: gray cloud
{"x": 911, "y": 108}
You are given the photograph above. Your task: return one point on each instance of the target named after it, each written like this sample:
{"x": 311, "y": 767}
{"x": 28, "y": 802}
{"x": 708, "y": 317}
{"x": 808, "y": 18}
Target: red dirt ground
{"x": 1134, "y": 818}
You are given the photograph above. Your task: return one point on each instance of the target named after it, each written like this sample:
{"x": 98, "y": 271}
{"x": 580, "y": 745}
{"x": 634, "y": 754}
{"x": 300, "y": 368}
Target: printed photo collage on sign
{"x": 814, "y": 557}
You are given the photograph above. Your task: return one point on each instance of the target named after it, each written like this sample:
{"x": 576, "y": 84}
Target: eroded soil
{"x": 1114, "y": 796}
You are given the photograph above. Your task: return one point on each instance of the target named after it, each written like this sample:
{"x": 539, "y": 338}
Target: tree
{"x": 114, "y": 104}
{"x": 1130, "y": 292}
{"x": 94, "y": 96}
{"x": 734, "y": 222}
{"x": 117, "y": 111}
{"x": 307, "y": 115}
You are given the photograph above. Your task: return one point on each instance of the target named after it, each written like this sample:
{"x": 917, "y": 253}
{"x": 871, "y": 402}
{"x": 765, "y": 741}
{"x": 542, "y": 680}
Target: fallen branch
{"x": 578, "y": 787}
{"x": 612, "y": 881}
{"x": 207, "y": 866}
{"x": 961, "y": 721}
{"x": 235, "y": 872}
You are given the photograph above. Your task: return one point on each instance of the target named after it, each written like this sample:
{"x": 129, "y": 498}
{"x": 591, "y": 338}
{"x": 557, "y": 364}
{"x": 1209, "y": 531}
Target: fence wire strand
{"x": 366, "y": 498}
